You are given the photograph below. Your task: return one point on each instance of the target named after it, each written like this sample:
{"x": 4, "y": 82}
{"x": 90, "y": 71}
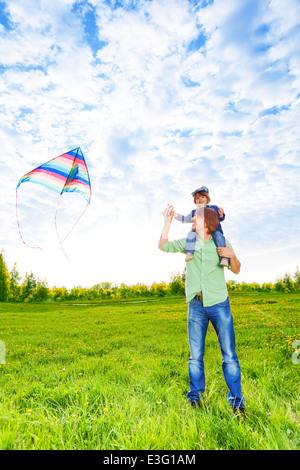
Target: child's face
{"x": 200, "y": 199}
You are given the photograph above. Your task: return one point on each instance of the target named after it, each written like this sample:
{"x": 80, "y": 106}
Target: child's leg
{"x": 219, "y": 240}
{"x": 190, "y": 245}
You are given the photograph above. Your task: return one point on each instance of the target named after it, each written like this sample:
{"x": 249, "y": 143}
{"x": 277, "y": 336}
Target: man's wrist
{"x": 165, "y": 232}
{"x": 230, "y": 254}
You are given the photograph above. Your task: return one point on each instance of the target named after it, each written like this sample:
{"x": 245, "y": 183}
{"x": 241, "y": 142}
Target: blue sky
{"x": 163, "y": 97}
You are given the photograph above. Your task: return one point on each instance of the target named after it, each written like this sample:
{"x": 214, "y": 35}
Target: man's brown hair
{"x": 212, "y": 219}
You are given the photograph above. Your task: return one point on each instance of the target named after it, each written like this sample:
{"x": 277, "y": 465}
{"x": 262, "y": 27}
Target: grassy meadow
{"x": 114, "y": 376}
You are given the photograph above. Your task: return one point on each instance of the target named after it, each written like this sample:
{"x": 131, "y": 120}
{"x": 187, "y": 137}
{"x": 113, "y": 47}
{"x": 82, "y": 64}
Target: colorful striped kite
{"x": 66, "y": 173}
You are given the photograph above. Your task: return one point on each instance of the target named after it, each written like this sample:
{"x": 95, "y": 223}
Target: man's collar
{"x": 199, "y": 238}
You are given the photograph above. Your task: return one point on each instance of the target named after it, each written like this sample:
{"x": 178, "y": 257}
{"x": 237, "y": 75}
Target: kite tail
{"x": 76, "y": 222}
{"x": 60, "y": 242}
{"x": 34, "y": 247}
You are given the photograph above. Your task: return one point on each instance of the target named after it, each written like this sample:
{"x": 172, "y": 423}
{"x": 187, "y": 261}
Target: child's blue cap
{"x": 203, "y": 188}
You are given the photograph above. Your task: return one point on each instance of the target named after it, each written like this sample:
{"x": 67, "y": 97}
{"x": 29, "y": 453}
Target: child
{"x": 202, "y": 199}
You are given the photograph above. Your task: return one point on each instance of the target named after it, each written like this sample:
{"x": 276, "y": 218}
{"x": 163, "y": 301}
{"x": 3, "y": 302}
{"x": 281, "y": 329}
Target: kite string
{"x": 76, "y": 222}
{"x": 60, "y": 242}
{"x": 34, "y": 247}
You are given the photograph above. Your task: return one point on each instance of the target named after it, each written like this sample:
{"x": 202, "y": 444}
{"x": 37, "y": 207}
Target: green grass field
{"x": 115, "y": 376}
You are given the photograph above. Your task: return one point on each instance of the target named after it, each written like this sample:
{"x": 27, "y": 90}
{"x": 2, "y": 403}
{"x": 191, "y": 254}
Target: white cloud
{"x": 157, "y": 117}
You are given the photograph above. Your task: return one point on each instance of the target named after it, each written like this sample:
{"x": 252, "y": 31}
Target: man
{"x": 206, "y": 293}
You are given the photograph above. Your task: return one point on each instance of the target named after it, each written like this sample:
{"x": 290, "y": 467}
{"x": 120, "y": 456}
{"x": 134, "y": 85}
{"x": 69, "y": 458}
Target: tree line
{"x": 14, "y": 288}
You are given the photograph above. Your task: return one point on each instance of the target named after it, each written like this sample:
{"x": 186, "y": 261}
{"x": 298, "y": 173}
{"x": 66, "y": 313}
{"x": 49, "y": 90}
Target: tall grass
{"x": 115, "y": 376}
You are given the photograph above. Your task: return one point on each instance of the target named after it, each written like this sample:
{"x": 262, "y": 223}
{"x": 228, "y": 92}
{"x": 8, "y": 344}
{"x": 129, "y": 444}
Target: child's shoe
{"x": 189, "y": 257}
{"x": 224, "y": 262}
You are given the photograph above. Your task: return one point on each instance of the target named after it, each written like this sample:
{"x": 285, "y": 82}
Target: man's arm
{"x": 226, "y": 252}
{"x": 165, "y": 231}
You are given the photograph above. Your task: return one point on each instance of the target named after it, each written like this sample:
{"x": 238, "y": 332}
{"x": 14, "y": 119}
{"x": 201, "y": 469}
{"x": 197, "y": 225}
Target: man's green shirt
{"x": 203, "y": 273}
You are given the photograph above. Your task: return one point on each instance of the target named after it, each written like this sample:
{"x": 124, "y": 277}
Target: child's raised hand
{"x": 221, "y": 211}
{"x": 168, "y": 213}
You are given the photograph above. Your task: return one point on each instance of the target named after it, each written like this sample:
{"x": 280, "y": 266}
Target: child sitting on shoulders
{"x": 202, "y": 199}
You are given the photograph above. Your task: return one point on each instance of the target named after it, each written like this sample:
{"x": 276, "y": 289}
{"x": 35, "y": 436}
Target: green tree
{"x": 267, "y": 287}
{"x": 124, "y": 291}
{"x": 28, "y": 286}
{"x": 59, "y": 293}
{"x": 285, "y": 284}
{"x": 93, "y": 294}
{"x": 4, "y": 280}
{"x": 78, "y": 293}
{"x": 140, "y": 290}
{"x": 279, "y": 285}
{"x": 14, "y": 285}
{"x": 288, "y": 282}
{"x": 297, "y": 279}
{"x": 40, "y": 293}
{"x": 232, "y": 285}
{"x": 177, "y": 283}
{"x": 160, "y": 289}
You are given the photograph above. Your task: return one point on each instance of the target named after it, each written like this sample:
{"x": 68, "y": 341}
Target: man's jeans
{"x": 221, "y": 319}
{"x": 218, "y": 238}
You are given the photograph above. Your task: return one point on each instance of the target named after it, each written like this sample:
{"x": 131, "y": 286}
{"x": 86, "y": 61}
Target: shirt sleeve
{"x": 177, "y": 246}
{"x": 229, "y": 244}
{"x": 185, "y": 219}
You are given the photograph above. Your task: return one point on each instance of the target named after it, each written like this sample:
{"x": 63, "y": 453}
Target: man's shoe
{"x": 224, "y": 262}
{"x": 239, "y": 413}
{"x": 195, "y": 403}
{"x": 189, "y": 256}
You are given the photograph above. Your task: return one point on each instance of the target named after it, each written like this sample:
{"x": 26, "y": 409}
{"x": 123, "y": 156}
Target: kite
{"x": 169, "y": 210}
{"x": 66, "y": 173}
